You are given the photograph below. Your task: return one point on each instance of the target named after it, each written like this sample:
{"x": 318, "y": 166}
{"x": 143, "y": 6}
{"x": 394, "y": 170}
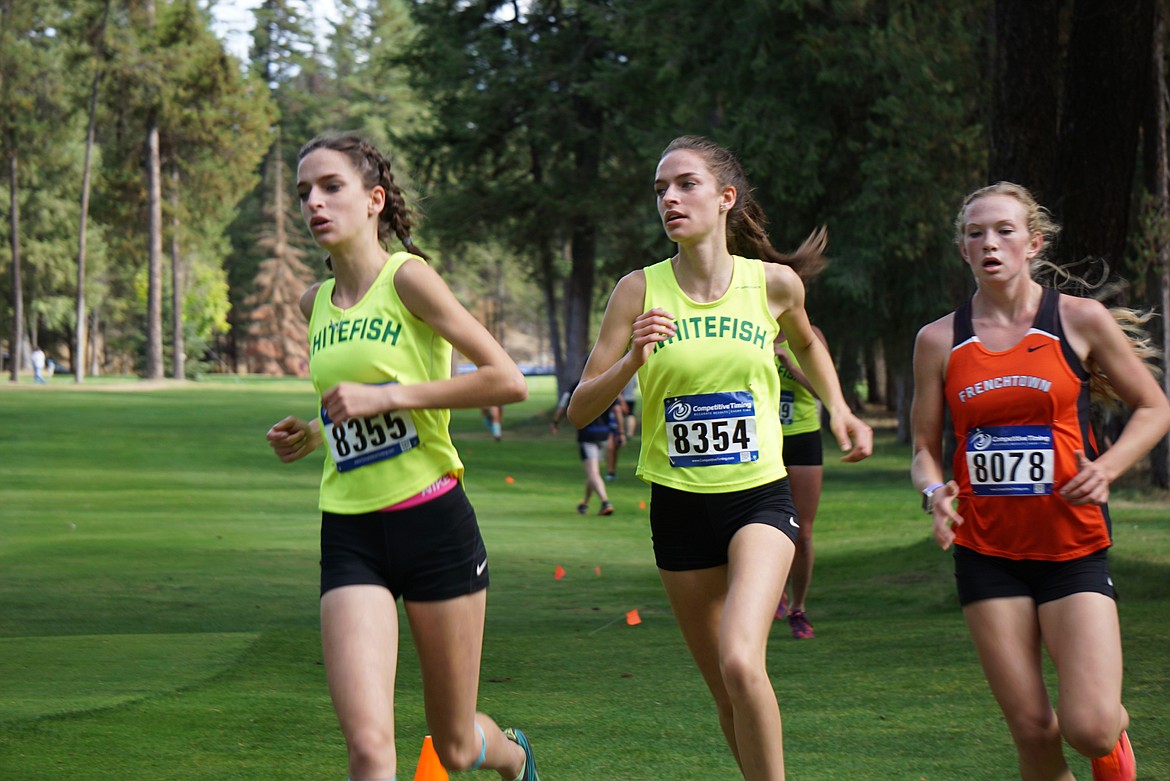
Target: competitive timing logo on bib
{"x": 710, "y": 406}
{"x": 981, "y": 440}
{"x": 1009, "y": 437}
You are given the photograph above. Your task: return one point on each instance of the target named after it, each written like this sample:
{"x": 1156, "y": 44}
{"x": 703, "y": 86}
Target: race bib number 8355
{"x": 361, "y": 441}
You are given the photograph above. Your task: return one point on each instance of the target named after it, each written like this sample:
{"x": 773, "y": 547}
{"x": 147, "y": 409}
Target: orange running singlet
{"x": 1019, "y": 416}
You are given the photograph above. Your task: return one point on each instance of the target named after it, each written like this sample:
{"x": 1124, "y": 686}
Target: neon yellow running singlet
{"x": 710, "y": 393}
{"x": 378, "y": 461}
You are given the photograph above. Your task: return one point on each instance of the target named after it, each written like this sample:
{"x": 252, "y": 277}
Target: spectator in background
{"x": 800, "y": 420}
{"x": 38, "y": 364}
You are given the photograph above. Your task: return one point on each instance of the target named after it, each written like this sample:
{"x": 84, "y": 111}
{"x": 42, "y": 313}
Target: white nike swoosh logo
{"x": 792, "y": 521}
{"x": 480, "y": 568}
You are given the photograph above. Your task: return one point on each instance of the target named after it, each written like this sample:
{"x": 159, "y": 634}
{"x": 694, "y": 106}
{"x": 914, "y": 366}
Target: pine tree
{"x": 277, "y": 340}
{"x": 34, "y": 117}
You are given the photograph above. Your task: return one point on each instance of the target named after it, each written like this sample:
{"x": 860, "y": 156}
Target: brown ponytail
{"x": 747, "y": 233}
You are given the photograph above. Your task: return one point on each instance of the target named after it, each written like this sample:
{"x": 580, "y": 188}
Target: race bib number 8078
{"x": 1010, "y": 460}
{"x": 708, "y": 429}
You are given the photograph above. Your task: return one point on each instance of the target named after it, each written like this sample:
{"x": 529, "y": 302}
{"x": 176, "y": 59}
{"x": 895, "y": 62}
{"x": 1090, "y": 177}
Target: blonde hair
{"x": 1066, "y": 279}
{"x": 1133, "y": 324}
{"x": 1036, "y": 217}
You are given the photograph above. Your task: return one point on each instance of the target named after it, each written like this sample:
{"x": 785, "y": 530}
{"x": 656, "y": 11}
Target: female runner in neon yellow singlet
{"x": 800, "y": 420}
{"x": 395, "y": 521}
{"x": 721, "y": 514}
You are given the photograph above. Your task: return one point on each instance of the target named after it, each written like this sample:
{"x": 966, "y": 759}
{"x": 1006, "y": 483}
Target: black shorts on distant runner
{"x": 804, "y": 449}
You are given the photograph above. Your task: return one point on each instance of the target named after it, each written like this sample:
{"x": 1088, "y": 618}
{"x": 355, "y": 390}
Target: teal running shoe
{"x": 530, "y": 773}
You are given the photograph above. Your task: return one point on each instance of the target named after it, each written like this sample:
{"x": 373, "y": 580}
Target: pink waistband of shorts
{"x": 432, "y": 491}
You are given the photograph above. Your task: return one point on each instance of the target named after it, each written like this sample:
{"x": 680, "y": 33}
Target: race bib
{"x": 787, "y": 407}
{"x": 708, "y": 429}
{"x": 1010, "y": 460}
{"x": 361, "y": 441}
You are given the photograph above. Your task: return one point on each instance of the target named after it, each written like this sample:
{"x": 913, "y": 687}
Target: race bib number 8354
{"x": 707, "y": 429}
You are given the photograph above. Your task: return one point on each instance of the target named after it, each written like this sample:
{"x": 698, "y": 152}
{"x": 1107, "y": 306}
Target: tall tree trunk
{"x": 903, "y": 391}
{"x": 579, "y": 299}
{"x": 79, "y": 338}
{"x": 94, "y": 357}
{"x": 547, "y": 273}
{"x": 548, "y": 286}
{"x": 280, "y": 248}
{"x": 1025, "y": 105}
{"x": 583, "y": 254}
{"x": 500, "y": 330}
{"x": 1160, "y": 455}
{"x": 1108, "y": 77}
{"x": 16, "y": 349}
{"x": 179, "y": 361}
{"x": 154, "y": 342}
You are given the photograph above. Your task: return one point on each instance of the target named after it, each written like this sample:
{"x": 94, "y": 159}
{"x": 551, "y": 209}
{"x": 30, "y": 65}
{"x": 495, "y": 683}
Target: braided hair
{"x": 396, "y": 218}
{"x": 747, "y": 233}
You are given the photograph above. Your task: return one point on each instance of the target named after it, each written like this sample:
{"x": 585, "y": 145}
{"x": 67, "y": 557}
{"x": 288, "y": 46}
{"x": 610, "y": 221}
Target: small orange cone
{"x": 509, "y": 479}
{"x": 642, "y": 505}
{"x": 559, "y": 572}
{"x": 429, "y": 766}
{"x": 597, "y": 569}
{"x": 632, "y": 618}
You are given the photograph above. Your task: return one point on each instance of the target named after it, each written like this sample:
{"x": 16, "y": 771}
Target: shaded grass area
{"x": 158, "y": 577}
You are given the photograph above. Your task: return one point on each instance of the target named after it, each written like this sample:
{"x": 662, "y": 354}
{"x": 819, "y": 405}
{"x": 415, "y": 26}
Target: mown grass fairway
{"x": 158, "y": 609}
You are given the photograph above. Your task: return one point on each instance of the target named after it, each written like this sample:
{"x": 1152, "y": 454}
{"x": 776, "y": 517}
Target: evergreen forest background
{"x": 149, "y": 225}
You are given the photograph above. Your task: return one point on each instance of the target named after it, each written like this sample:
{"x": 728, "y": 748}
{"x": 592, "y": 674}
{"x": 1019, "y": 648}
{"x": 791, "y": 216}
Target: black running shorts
{"x": 693, "y": 531}
{"x": 804, "y": 449}
{"x": 426, "y": 553}
{"x": 980, "y": 577}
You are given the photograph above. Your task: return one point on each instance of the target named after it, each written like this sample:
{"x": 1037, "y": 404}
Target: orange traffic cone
{"x": 429, "y": 766}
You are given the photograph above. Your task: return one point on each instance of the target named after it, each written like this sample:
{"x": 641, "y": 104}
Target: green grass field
{"x": 158, "y": 609}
